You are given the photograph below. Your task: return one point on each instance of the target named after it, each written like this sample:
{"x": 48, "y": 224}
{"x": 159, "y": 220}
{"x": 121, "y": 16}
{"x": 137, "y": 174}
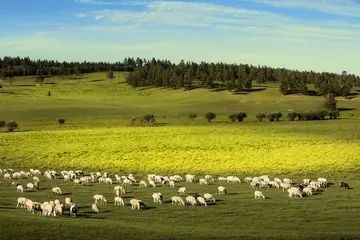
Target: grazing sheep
{"x": 202, "y": 201}
{"x": 135, "y": 204}
{"x": 202, "y": 181}
{"x": 58, "y": 209}
{"x": 323, "y": 182}
{"x": 108, "y": 181}
{"x": 120, "y": 189}
{"x": 16, "y": 175}
{"x": 287, "y": 180}
{"x": 79, "y": 172}
{"x": 306, "y": 181}
{"x": 294, "y": 192}
{"x": 47, "y": 209}
{"x": 76, "y": 181}
{"x": 190, "y": 200}
{"x": 236, "y": 180}
{"x": 222, "y": 179}
{"x": 152, "y": 184}
{"x": 254, "y": 184}
{"x": 66, "y": 178}
{"x": 30, "y": 186}
{"x": 182, "y": 190}
{"x": 117, "y": 193}
{"x": 15, "y": 184}
{"x": 285, "y": 186}
{"x": 57, "y": 202}
{"x": 94, "y": 208}
{"x": 143, "y": 184}
{"x": 119, "y": 201}
{"x": 118, "y": 179}
{"x": 74, "y": 209}
{"x": 259, "y": 195}
{"x": 36, "y": 185}
{"x": 57, "y": 191}
{"x": 189, "y": 178}
{"x": 21, "y": 201}
{"x": 307, "y": 190}
{"x": 99, "y": 199}
{"x": 344, "y": 185}
{"x": 208, "y": 178}
{"x": 209, "y": 197}
{"x": 20, "y": 188}
{"x": 274, "y": 184}
{"x": 127, "y": 182}
{"x": 171, "y": 184}
{"x": 7, "y": 176}
{"x": 157, "y": 197}
{"x": 248, "y": 179}
{"x": 177, "y": 200}
{"x": 68, "y": 202}
{"x": 222, "y": 190}
{"x": 36, "y": 179}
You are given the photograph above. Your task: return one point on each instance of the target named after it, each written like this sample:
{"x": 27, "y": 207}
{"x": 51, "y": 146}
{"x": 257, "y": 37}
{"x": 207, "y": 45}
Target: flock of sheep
{"x": 78, "y": 177}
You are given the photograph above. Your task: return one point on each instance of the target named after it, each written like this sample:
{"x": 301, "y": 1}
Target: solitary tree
{"x": 240, "y": 116}
{"x": 330, "y": 101}
{"x": 11, "y": 126}
{"x": 210, "y": 116}
{"x": 61, "y": 121}
{"x": 49, "y": 94}
{"x": 110, "y": 75}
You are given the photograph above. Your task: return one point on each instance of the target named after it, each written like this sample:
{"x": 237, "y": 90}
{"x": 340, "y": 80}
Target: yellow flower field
{"x": 197, "y": 149}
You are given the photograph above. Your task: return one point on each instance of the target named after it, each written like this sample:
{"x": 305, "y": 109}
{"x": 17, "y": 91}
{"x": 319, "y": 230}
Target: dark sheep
{"x": 344, "y": 185}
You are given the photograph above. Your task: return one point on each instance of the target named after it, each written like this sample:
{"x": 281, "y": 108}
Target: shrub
{"x": 210, "y": 116}
{"x": 192, "y": 115}
{"x": 292, "y": 115}
{"x": 61, "y": 121}
{"x": 232, "y": 117}
{"x": 271, "y": 116}
{"x": 11, "y": 126}
{"x": 49, "y": 94}
{"x": 278, "y": 115}
{"x": 2, "y": 123}
{"x": 240, "y": 116}
{"x": 330, "y": 101}
{"x": 260, "y": 116}
{"x": 334, "y": 114}
{"x": 149, "y": 119}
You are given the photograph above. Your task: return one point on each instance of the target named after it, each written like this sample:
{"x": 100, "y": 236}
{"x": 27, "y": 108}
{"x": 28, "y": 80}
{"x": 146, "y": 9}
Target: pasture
{"x": 96, "y": 137}
{"x": 328, "y": 214}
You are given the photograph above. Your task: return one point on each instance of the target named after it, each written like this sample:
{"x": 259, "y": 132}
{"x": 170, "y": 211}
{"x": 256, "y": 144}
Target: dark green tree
{"x": 11, "y": 126}
{"x": 210, "y": 116}
{"x": 330, "y": 101}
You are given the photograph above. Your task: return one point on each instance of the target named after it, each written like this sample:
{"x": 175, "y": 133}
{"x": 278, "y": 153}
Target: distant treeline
{"x": 186, "y": 75}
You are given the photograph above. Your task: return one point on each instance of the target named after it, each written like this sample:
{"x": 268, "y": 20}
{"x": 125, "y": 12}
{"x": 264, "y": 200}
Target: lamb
{"x": 99, "y": 199}
{"x": 157, "y": 197}
{"x": 57, "y": 191}
{"x": 191, "y": 200}
{"x": 152, "y": 183}
{"x": 222, "y": 190}
{"x": 344, "y": 185}
{"x": 143, "y": 184}
{"x": 171, "y": 184}
{"x": 209, "y": 197}
{"x": 20, "y": 188}
{"x": 120, "y": 189}
{"x": 259, "y": 195}
{"x": 58, "y": 209}
{"x": 135, "y": 204}
{"x": 182, "y": 190}
{"x": 294, "y": 192}
{"x": 21, "y": 201}
{"x": 177, "y": 200}
{"x": 94, "y": 208}
{"x": 119, "y": 201}
{"x": 307, "y": 190}
{"x": 202, "y": 201}
{"x": 108, "y": 181}
{"x": 30, "y": 186}
{"x": 202, "y": 181}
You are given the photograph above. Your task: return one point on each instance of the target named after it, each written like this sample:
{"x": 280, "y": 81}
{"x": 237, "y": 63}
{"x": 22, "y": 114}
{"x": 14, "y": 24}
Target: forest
{"x": 187, "y": 75}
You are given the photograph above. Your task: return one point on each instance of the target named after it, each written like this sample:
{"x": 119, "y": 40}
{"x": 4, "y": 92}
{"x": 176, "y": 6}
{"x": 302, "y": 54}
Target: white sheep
{"x": 209, "y": 197}
{"x": 208, "y": 178}
{"x": 222, "y": 190}
{"x": 99, "y": 199}
{"x": 20, "y": 188}
{"x": 135, "y": 204}
{"x": 142, "y": 184}
{"x": 308, "y": 190}
{"x": 248, "y": 179}
{"x": 177, "y": 200}
{"x": 76, "y": 181}
{"x": 16, "y": 175}
{"x": 15, "y": 184}
{"x": 30, "y": 186}
{"x": 202, "y": 181}
{"x": 189, "y": 178}
{"x": 236, "y": 180}
{"x": 202, "y": 201}
{"x": 94, "y": 208}
{"x": 21, "y": 201}
{"x": 323, "y": 182}
{"x": 294, "y": 192}
{"x": 284, "y": 186}
{"x": 287, "y": 180}
{"x": 57, "y": 202}
{"x": 190, "y": 200}
{"x": 152, "y": 183}
{"x": 36, "y": 179}
{"x": 157, "y": 197}
{"x": 119, "y": 201}
{"x": 68, "y": 202}
{"x": 171, "y": 183}
{"x": 127, "y": 182}
{"x": 120, "y": 189}
{"x": 57, "y": 191}
{"x": 259, "y": 195}
{"x": 7, "y": 176}
{"x": 108, "y": 181}
{"x": 58, "y": 209}
{"x": 182, "y": 190}
{"x": 222, "y": 179}
{"x": 306, "y": 181}
{"x": 117, "y": 193}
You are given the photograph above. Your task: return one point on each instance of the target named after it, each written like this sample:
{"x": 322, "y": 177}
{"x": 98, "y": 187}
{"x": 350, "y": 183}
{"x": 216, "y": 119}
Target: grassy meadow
{"x": 97, "y": 137}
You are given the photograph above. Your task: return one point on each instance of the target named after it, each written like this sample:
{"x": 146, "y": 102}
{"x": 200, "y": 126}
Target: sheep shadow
{"x": 232, "y": 194}
{"x": 97, "y": 80}
{"x": 128, "y": 197}
{"x": 67, "y": 194}
{"x": 148, "y": 208}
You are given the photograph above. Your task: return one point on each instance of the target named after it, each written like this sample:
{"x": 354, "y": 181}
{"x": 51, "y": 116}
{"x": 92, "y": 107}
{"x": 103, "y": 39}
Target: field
{"x": 96, "y": 136}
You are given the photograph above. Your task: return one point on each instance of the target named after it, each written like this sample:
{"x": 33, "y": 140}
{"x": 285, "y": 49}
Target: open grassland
{"x": 95, "y": 137}
{"x": 332, "y": 213}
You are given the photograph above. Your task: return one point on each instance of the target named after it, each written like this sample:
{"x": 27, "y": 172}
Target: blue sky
{"x": 320, "y": 35}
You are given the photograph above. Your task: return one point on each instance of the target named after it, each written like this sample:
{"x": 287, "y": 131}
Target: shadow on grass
{"x": 346, "y": 109}
{"x": 67, "y": 194}
{"x": 26, "y": 85}
{"x": 160, "y": 124}
{"x": 232, "y": 194}
{"x": 147, "y": 208}
{"x": 97, "y": 80}
{"x": 50, "y": 83}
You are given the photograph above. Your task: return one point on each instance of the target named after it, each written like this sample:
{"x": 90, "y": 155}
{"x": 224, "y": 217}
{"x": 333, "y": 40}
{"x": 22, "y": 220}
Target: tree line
{"x": 187, "y": 75}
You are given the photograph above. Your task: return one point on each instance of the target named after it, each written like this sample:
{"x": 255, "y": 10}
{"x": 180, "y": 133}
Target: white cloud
{"x": 95, "y": 2}
{"x": 80, "y": 15}
{"x": 98, "y": 17}
{"x": 337, "y": 7}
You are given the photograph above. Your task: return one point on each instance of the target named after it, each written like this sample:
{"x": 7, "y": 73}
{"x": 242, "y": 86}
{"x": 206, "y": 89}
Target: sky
{"x": 318, "y": 35}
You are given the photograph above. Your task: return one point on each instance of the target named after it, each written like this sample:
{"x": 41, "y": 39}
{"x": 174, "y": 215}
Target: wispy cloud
{"x": 337, "y": 7}
{"x": 95, "y": 2}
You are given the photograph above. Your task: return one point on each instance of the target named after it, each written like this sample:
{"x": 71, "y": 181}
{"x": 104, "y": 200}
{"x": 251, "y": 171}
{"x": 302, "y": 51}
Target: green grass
{"x": 331, "y": 213}
{"x": 95, "y": 136}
